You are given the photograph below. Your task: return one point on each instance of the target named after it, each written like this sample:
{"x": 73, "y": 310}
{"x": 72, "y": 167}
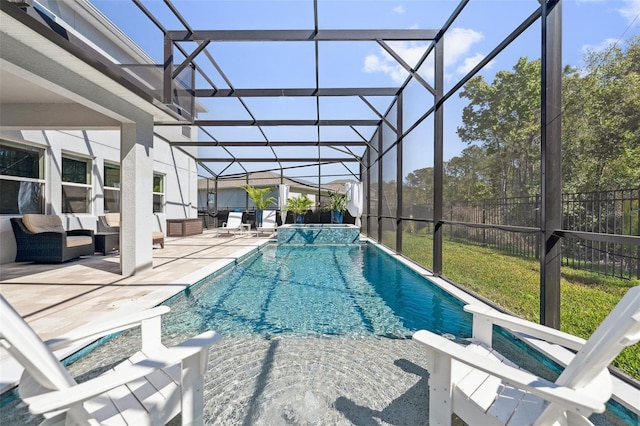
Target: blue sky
{"x": 587, "y": 24}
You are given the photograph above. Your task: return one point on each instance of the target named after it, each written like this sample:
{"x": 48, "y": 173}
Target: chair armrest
{"x": 103, "y": 227}
{"x": 94, "y": 331}
{"x": 57, "y": 236}
{"x": 566, "y": 397}
{"x": 63, "y": 399}
{"x": 520, "y": 325}
{"x": 75, "y": 232}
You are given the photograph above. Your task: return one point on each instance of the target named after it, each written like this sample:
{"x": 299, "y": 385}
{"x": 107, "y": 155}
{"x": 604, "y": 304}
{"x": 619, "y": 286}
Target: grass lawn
{"x": 514, "y": 283}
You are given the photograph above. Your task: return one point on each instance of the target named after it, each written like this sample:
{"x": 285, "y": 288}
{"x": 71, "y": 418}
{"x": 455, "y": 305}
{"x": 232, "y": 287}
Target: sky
{"x": 587, "y": 25}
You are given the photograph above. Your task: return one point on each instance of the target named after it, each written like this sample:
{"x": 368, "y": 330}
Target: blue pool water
{"x": 312, "y": 335}
{"x": 353, "y": 290}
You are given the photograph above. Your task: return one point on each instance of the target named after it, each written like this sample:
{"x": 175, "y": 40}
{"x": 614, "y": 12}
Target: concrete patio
{"x": 57, "y": 298}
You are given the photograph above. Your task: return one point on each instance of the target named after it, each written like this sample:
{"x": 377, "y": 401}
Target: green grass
{"x": 514, "y": 284}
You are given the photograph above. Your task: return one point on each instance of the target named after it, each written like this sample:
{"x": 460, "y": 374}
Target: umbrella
{"x": 354, "y": 200}
{"x": 283, "y": 195}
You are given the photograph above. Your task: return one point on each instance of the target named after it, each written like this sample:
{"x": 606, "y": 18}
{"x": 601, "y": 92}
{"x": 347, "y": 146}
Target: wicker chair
{"x": 42, "y": 239}
{"x": 110, "y": 222}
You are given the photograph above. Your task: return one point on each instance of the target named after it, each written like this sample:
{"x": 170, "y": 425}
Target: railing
{"x": 606, "y": 212}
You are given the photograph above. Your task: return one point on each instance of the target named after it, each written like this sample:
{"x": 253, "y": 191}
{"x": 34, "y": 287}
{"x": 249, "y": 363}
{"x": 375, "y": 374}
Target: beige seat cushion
{"x": 112, "y": 219}
{"x": 79, "y": 240}
{"x": 158, "y": 235}
{"x": 43, "y": 223}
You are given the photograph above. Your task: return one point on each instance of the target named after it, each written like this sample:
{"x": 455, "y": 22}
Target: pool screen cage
{"x": 395, "y": 148}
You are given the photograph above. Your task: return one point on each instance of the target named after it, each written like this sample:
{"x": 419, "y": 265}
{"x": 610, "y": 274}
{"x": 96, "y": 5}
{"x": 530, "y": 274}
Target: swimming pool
{"x": 312, "y": 335}
{"x": 349, "y": 290}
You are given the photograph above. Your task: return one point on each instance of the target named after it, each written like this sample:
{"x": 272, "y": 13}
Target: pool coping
{"x": 623, "y": 392}
{"x": 11, "y": 370}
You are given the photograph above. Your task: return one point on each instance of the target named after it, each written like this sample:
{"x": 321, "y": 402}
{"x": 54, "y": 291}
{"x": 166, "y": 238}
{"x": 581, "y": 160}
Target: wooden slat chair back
{"x": 149, "y": 388}
{"x": 43, "y": 371}
{"x": 482, "y": 387}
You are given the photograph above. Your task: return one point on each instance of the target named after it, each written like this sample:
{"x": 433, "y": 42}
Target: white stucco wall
{"x": 100, "y": 146}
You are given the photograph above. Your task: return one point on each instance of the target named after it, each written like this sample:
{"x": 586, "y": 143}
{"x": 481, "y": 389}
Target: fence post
{"x": 484, "y": 221}
{"x": 539, "y": 225}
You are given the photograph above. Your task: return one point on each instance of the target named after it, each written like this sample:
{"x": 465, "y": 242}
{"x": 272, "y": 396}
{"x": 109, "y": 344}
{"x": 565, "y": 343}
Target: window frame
{"x": 41, "y": 152}
{"x": 114, "y": 189}
{"x": 161, "y": 194}
{"x": 67, "y": 184}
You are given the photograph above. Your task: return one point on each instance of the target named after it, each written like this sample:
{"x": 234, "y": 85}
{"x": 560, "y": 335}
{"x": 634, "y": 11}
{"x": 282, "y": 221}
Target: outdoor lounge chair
{"x": 233, "y": 223}
{"x": 482, "y": 387}
{"x": 269, "y": 223}
{"x": 42, "y": 238}
{"x": 149, "y": 388}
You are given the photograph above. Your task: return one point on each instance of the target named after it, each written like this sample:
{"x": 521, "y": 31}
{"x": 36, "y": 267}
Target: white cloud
{"x": 458, "y": 42}
{"x": 631, "y": 10}
{"x": 385, "y": 64}
{"x": 600, "y": 47}
{"x": 470, "y": 62}
{"x": 399, "y": 9}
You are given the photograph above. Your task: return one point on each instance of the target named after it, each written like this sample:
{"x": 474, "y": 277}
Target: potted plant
{"x": 260, "y": 199}
{"x": 337, "y": 205}
{"x": 299, "y": 206}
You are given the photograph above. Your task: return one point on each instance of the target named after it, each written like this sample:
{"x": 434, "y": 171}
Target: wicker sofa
{"x": 110, "y": 222}
{"x": 42, "y": 239}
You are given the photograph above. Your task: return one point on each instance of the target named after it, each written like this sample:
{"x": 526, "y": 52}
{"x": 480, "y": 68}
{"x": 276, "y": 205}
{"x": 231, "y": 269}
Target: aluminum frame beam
{"x": 313, "y": 160}
{"x": 301, "y": 35}
{"x": 296, "y": 92}
{"x": 631, "y": 240}
{"x": 551, "y": 163}
{"x": 438, "y": 157}
{"x": 270, "y": 143}
{"x": 245, "y": 123}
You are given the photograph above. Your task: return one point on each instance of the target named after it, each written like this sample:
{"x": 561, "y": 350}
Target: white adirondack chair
{"x": 233, "y": 223}
{"x": 482, "y": 387}
{"x": 150, "y": 388}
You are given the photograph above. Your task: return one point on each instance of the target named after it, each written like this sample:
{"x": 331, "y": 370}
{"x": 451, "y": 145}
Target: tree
{"x": 601, "y": 128}
{"x": 503, "y": 118}
{"x": 466, "y": 178}
{"x": 418, "y": 187}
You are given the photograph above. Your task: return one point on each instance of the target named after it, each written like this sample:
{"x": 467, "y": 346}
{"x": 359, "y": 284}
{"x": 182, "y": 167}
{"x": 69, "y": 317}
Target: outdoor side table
{"x": 107, "y": 242}
{"x": 184, "y": 227}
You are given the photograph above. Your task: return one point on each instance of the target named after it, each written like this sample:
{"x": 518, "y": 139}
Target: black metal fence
{"x": 607, "y": 212}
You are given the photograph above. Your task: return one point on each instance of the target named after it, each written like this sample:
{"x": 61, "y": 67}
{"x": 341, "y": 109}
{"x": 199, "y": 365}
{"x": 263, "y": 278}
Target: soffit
{"x": 17, "y": 30}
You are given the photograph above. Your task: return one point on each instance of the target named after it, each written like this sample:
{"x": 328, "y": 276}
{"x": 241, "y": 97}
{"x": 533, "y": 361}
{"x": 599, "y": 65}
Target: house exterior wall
{"x": 100, "y": 146}
{"x": 84, "y": 21}
{"x": 236, "y": 198}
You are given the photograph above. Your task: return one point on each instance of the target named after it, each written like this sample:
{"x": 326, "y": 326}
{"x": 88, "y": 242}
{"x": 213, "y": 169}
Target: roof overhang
{"x": 40, "y": 67}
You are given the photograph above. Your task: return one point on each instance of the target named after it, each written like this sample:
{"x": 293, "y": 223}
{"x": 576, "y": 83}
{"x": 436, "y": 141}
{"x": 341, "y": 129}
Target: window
{"x": 76, "y": 185}
{"x": 21, "y": 179}
{"x": 158, "y": 193}
{"x": 111, "y": 188}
